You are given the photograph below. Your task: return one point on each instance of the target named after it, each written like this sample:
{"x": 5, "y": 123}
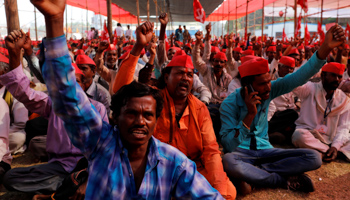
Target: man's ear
{"x": 166, "y": 77}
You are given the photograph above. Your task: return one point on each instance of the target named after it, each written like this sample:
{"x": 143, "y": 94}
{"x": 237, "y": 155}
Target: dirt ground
{"x": 331, "y": 182}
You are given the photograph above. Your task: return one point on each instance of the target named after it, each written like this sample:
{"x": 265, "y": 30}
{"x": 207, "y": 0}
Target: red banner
{"x": 198, "y": 11}
{"x": 320, "y": 32}
{"x": 298, "y": 27}
{"x": 303, "y": 4}
{"x": 307, "y": 35}
{"x": 104, "y": 34}
{"x": 284, "y": 36}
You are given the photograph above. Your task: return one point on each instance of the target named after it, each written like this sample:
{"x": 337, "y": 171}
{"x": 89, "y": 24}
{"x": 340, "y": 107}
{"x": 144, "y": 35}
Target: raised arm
{"x": 102, "y": 70}
{"x": 161, "y": 53}
{"x": 207, "y": 46}
{"x": 230, "y": 60}
{"x": 82, "y": 121}
{"x": 125, "y": 75}
{"x": 198, "y": 62}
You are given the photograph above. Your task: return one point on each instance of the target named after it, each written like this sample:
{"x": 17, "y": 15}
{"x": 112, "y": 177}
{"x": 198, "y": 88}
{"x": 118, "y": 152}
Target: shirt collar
{"x": 92, "y": 89}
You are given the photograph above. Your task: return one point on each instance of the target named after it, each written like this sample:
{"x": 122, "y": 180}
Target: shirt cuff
{"x": 55, "y": 47}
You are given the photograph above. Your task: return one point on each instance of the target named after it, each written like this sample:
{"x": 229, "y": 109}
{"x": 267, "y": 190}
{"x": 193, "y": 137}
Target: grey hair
{"x": 4, "y": 67}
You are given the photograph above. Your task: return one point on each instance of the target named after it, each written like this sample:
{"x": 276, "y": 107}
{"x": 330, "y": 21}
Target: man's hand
{"x": 102, "y": 46}
{"x": 163, "y": 19}
{"x": 152, "y": 48}
{"x": 331, "y": 154}
{"x": 28, "y": 45}
{"x": 251, "y": 100}
{"x": 208, "y": 27}
{"x": 80, "y": 193}
{"x": 199, "y": 37}
{"x": 230, "y": 40}
{"x": 14, "y": 43}
{"x": 335, "y": 37}
{"x": 144, "y": 34}
{"x": 50, "y": 8}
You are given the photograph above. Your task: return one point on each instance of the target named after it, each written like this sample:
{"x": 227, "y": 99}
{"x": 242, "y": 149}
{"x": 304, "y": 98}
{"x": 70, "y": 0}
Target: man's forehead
{"x": 146, "y": 102}
{"x": 182, "y": 69}
{"x": 262, "y": 78}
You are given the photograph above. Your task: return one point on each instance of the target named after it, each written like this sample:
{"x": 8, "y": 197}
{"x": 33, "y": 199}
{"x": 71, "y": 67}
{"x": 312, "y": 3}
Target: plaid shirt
{"x": 169, "y": 173}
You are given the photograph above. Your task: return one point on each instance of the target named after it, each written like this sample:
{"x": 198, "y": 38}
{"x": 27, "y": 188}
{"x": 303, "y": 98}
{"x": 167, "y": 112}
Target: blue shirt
{"x": 169, "y": 173}
{"x": 233, "y": 110}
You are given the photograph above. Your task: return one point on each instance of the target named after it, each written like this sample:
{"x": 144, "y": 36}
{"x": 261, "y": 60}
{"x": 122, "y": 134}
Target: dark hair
{"x": 92, "y": 67}
{"x": 161, "y": 82}
{"x": 247, "y": 80}
{"x": 119, "y": 24}
{"x": 135, "y": 89}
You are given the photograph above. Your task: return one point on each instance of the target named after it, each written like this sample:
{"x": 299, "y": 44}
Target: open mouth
{"x": 183, "y": 86}
{"x": 139, "y": 133}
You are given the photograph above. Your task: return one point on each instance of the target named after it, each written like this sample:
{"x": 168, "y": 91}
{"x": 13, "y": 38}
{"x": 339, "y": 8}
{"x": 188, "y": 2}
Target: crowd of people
{"x": 169, "y": 117}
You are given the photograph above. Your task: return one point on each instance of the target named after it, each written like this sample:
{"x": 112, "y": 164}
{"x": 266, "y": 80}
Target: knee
{"x": 299, "y": 137}
{"x": 315, "y": 158}
{"x": 16, "y": 141}
{"x": 8, "y": 180}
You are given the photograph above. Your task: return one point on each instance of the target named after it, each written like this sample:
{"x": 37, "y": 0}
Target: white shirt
{"x": 128, "y": 33}
{"x": 313, "y": 106}
{"x": 120, "y": 31}
{"x": 5, "y": 154}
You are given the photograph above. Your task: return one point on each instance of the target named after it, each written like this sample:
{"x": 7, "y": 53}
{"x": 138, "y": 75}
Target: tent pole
{"x": 36, "y": 27}
{"x": 262, "y": 20}
{"x": 246, "y": 20}
{"x": 228, "y": 18}
{"x": 295, "y": 16}
{"x": 338, "y": 12}
{"x": 321, "y": 12}
{"x": 87, "y": 18}
{"x": 156, "y": 15}
{"x": 147, "y": 10}
{"x": 138, "y": 12}
{"x": 237, "y": 18}
{"x": 273, "y": 18}
{"x": 109, "y": 19}
{"x": 11, "y": 15}
{"x": 285, "y": 15}
{"x": 99, "y": 12}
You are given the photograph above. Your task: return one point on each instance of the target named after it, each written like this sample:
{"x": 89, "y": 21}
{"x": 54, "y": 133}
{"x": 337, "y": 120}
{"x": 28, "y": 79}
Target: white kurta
{"x": 5, "y": 154}
{"x": 313, "y": 106}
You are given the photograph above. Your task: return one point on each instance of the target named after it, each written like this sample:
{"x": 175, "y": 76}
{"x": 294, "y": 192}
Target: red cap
{"x": 188, "y": 45}
{"x": 334, "y": 67}
{"x": 85, "y": 46}
{"x": 84, "y": 59}
{"x": 220, "y": 56}
{"x": 181, "y": 61}
{"x": 250, "y": 47}
{"x": 288, "y": 61}
{"x": 238, "y": 49}
{"x": 254, "y": 66}
{"x": 272, "y": 48}
{"x": 4, "y": 51}
{"x": 176, "y": 48}
{"x": 294, "y": 51}
{"x": 111, "y": 47}
{"x": 128, "y": 48}
{"x": 284, "y": 46}
{"x": 4, "y": 59}
{"x": 246, "y": 58}
{"x": 248, "y": 52}
{"x": 77, "y": 70}
{"x": 80, "y": 52}
{"x": 180, "y": 53}
{"x": 179, "y": 43}
{"x": 38, "y": 52}
{"x": 273, "y": 43}
{"x": 346, "y": 46}
{"x": 215, "y": 49}
{"x": 69, "y": 47}
{"x": 301, "y": 47}
{"x": 124, "y": 55}
{"x": 224, "y": 50}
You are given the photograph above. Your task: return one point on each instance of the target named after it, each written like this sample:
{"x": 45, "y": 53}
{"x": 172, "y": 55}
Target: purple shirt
{"x": 58, "y": 145}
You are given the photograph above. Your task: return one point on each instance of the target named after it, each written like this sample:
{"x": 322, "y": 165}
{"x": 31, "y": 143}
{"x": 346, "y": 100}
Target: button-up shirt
{"x": 98, "y": 93}
{"x": 5, "y": 154}
{"x": 168, "y": 172}
{"x": 233, "y": 110}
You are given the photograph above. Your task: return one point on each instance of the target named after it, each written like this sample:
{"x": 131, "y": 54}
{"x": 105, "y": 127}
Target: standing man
{"x": 186, "y": 36}
{"x": 128, "y": 33}
{"x": 119, "y": 30}
{"x": 178, "y": 34}
{"x": 249, "y": 155}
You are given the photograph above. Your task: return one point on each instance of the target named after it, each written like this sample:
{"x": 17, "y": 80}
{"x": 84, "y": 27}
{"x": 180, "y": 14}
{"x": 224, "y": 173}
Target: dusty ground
{"x": 331, "y": 182}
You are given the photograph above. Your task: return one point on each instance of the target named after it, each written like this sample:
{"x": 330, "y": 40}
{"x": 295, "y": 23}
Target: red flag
{"x": 284, "y": 36}
{"x": 347, "y": 30}
{"x": 320, "y": 32}
{"x": 198, "y": 11}
{"x": 104, "y": 34}
{"x": 115, "y": 37}
{"x": 298, "y": 27}
{"x": 307, "y": 35}
{"x": 303, "y": 4}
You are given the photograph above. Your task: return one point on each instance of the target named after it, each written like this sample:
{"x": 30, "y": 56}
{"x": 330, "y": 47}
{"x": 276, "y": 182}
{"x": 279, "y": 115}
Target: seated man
{"x": 125, "y": 161}
{"x": 63, "y": 156}
{"x": 324, "y": 120}
{"x": 18, "y": 114}
{"x": 5, "y": 155}
{"x": 94, "y": 90}
{"x": 184, "y": 121}
{"x": 282, "y": 110}
{"x": 249, "y": 155}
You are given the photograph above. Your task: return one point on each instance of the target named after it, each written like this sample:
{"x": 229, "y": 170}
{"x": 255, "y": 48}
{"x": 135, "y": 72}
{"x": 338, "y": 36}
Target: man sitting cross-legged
{"x": 250, "y": 156}
{"x": 125, "y": 161}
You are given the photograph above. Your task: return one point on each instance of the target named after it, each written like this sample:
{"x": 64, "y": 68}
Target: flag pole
{"x": 262, "y": 20}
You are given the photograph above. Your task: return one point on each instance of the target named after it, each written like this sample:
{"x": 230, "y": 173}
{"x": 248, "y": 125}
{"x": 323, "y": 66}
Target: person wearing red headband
{"x": 282, "y": 110}
{"x": 233, "y": 57}
{"x": 250, "y": 157}
{"x": 324, "y": 119}
{"x": 95, "y": 91}
{"x": 184, "y": 122}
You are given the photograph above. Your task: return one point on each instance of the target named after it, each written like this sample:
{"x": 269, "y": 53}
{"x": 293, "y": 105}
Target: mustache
{"x": 217, "y": 66}
{"x": 184, "y": 83}
{"x": 139, "y": 128}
